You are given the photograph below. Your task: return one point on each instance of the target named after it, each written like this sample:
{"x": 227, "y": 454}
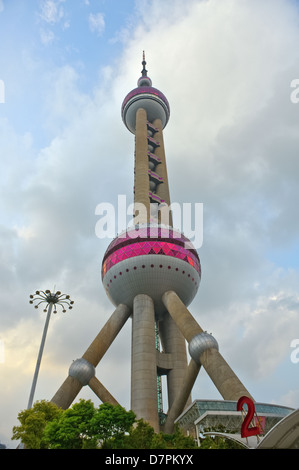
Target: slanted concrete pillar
{"x": 70, "y": 388}
{"x": 181, "y": 315}
{"x": 182, "y": 395}
{"x": 67, "y": 393}
{"x": 106, "y": 336}
{"x": 104, "y": 395}
{"x": 204, "y": 350}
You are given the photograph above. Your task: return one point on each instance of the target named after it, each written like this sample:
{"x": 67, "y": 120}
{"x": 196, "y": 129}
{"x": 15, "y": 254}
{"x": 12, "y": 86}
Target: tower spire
{"x": 144, "y": 80}
{"x": 144, "y": 71}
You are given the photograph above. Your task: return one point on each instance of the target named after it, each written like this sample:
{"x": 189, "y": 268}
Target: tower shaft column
{"x": 141, "y": 194}
{"x": 161, "y": 169}
{"x": 144, "y": 397}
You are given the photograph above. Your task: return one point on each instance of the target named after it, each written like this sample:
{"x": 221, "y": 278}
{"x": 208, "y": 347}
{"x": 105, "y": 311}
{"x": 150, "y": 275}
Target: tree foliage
{"x": 71, "y": 429}
{"x": 33, "y": 423}
{"x": 219, "y": 442}
{"x": 111, "y": 422}
{"x": 83, "y": 426}
{"x": 143, "y": 436}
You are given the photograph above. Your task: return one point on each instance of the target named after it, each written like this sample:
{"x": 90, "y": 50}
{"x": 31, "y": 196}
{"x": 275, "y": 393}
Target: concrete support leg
{"x": 223, "y": 377}
{"x": 67, "y": 393}
{"x": 181, "y": 315}
{"x": 144, "y": 398}
{"x": 182, "y": 396}
{"x": 173, "y": 342}
{"x": 107, "y": 335}
{"x": 104, "y": 395}
{"x": 72, "y": 386}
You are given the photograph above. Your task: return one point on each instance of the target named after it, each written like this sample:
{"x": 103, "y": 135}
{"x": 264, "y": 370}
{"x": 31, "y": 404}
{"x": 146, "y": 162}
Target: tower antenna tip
{"x": 144, "y": 71}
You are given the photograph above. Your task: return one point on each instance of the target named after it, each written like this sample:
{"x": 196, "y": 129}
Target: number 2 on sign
{"x": 246, "y": 431}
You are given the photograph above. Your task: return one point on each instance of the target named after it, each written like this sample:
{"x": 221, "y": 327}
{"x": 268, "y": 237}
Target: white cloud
{"x": 25, "y": 232}
{"x": 51, "y": 11}
{"x": 96, "y": 23}
{"x": 47, "y": 36}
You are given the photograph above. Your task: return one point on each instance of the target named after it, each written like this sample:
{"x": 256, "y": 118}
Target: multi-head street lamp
{"x": 50, "y": 299}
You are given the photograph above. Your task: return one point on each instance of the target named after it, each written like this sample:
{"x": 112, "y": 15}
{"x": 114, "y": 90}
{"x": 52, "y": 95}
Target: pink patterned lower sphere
{"x": 150, "y": 260}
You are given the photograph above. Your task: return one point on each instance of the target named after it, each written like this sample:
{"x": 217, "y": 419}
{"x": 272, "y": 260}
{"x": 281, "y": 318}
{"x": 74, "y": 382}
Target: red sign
{"x": 246, "y": 431}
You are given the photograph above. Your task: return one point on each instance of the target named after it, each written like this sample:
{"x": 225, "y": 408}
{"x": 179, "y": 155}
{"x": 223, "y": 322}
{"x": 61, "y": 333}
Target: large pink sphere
{"x": 150, "y": 260}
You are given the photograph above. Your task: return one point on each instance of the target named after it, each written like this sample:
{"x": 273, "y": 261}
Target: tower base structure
{"x": 148, "y": 363}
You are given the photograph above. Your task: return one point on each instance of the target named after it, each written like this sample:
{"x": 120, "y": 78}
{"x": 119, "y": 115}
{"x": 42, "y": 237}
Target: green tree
{"x": 140, "y": 437}
{"x": 71, "y": 429}
{"x": 33, "y": 423}
{"x": 219, "y": 442}
{"x": 178, "y": 440}
{"x": 143, "y": 436}
{"x": 84, "y": 427}
{"x": 110, "y": 424}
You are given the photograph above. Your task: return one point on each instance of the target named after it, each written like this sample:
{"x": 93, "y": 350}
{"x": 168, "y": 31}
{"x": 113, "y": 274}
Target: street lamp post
{"x": 51, "y": 300}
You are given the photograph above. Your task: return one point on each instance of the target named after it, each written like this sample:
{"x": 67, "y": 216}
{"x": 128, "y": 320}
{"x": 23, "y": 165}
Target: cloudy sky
{"x": 226, "y": 67}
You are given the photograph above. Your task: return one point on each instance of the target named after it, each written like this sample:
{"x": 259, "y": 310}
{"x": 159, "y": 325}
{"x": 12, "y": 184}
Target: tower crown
{"x": 147, "y": 97}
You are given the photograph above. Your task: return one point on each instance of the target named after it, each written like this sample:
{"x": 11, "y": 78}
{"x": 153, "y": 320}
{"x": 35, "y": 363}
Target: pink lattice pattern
{"x": 149, "y": 247}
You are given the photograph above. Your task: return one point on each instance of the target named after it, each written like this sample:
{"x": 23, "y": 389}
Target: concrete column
{"x": 71, "y": 386}
{"x": 182, "y": 396}
{"x": 144, "y": 398}
{"x": 141, "y": 195}
{"x": 104, "y": 395}
{"x": 67, "y": 393}
{"x": 173, "y": 342}
{"x": 223, "y": 377}
{"x": 161, "y": 169}
{"x": 108, "y": 333}
{"x": 181, "y": 315}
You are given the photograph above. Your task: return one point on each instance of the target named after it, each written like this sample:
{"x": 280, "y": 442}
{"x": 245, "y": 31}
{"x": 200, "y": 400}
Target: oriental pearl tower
{"x": 151, "y": 273}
